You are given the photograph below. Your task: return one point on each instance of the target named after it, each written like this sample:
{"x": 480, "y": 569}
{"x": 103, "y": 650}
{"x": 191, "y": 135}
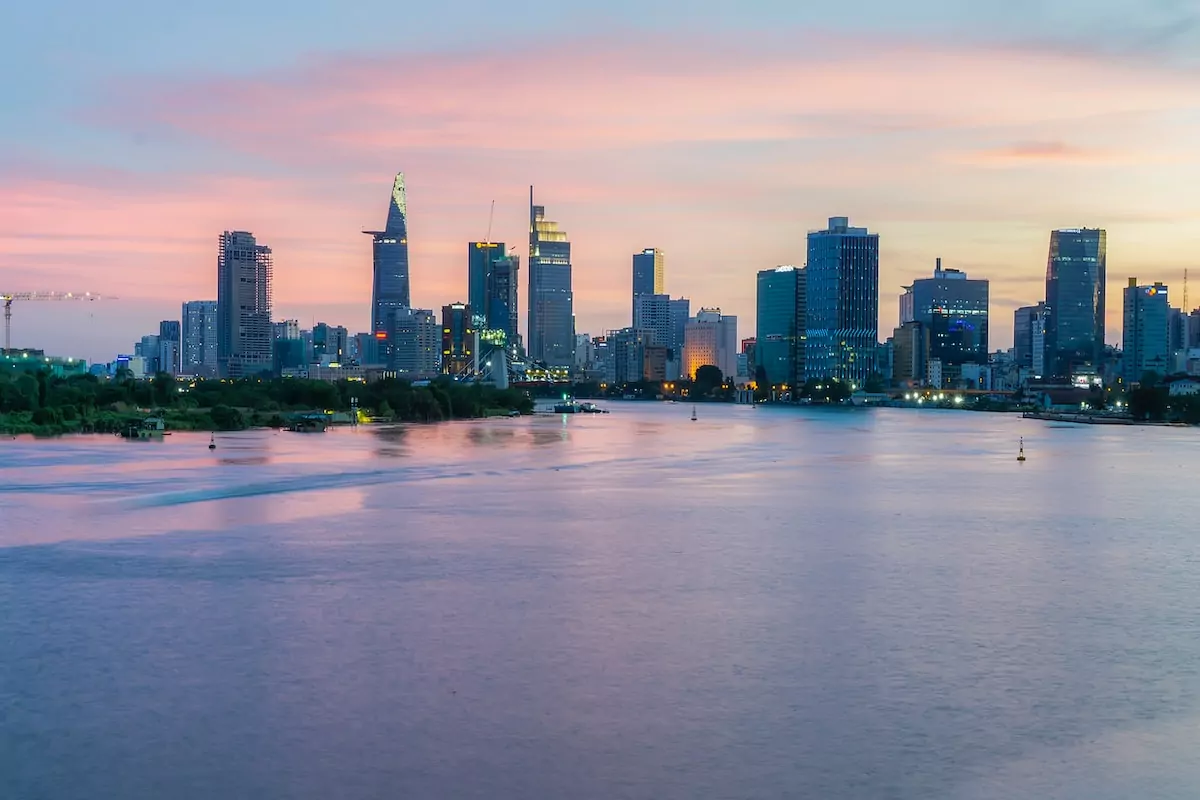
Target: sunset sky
{"x": 133, "y": 133}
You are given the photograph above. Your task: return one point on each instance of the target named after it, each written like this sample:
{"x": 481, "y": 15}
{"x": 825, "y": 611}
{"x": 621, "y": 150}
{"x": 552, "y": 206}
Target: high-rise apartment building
{"x": 1075, "y": 282}
{"x": 389, "y": 252}
{"x": 244, "y": 333}
{"x": 170, "y": 343}
{"x": 551, "y": 301}
{"x": 480, "y": 257}
{"x": 780, "y": 334}
{"x": 842, "y": 314}
{"x": 458, "y": 339}
{"x": 1145, "y": 340}
{"x": 417, "y": 337}
{"x": 710, "y": 339}
{"x": 627, "y": 355}
{"x": 954, "y": 310}
{"x": 648, "y": 274}
{"x": 910, "y": 354}
{"x": 285, "y": 329}
{"x": 198, "y": 332}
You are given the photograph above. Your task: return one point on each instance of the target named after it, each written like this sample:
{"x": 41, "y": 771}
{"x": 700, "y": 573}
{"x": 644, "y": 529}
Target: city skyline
{"x": 121, "y": 192}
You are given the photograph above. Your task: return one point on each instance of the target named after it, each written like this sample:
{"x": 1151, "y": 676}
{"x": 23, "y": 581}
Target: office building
{"x": 480, "y": 257}
{"x": 551, "y": 301}
{"x": 710, "y": 339}
{"x": 148, "y": 350}
{"x": 1023, "y": 327}
{"x": 501, "y": 321}
{"x": 627, "y": 355}
{"x": 458, "y": 340}
{"x": 365, "y": 350}
{"x": 289, "y": 355}
{"x": 389, "y": 254}
{"x": 330, "y": 343}
{"x": 842, "y": 308}
{"x": 910, "y": 354}
{"x": 285, "y": 329}
{"x": 170, "y": 344}
{"x": 648, "y": 275}
{"x": 1145, "y": 340}
{"x": 779, "y": 336}
{"x": 244, "y": 333}
{"x": 198, "y": 333}
{"x": 1075, "y": 283}
{"x": 954, "y": 310}
{"x": 416, "y": 338}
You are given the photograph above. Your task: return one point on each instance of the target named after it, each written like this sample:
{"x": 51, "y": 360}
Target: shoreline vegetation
{"x": 44, "y": 405}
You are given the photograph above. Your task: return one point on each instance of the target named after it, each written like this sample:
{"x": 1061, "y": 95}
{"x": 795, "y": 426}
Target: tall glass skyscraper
{"x": 780, "y": 328}
{"x": 1024, "y": 319}
{"x": 500, "y": 299}
{"x": 244, "y": 333}
{"x": 480, "y": 257}
{"x": 389, "y": 250}
{"x": 954, "y": 309}
{"x": 198, "y": 355}
{"x": 1075, "y": 280}
{"x": 648, "y": 274}
{"x": 842, "y": 315}
{"x": 551, "y": 301}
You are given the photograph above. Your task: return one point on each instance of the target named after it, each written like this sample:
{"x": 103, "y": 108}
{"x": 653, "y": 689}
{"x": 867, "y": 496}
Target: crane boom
{"x": 10, "y": 297}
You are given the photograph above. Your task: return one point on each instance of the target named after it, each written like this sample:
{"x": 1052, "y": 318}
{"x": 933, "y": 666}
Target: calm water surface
{"x": 765, "y": 603}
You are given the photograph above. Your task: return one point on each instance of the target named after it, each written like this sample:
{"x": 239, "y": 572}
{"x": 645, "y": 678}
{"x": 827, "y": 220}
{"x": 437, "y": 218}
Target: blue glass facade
{"x": 1075, "y": 281}
{"x": 648, "y": 274}
{"x": 389, "y": 249}
{"x": 954, "y": 310}
{"x": 480, "y": 258}
{"x": 842, "y": 315}
{"x": 551, "y": 301}
{"x": 780, "y": 324}
{"x": 1145, "y": 342}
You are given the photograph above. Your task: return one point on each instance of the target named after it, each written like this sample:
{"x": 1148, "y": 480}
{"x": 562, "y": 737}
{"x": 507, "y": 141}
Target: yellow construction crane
{"x": 10, "y": 297}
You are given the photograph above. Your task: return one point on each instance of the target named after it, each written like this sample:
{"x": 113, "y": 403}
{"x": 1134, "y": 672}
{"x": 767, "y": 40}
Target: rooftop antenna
{"x": 1185, "y": 302}
{"x": 491, "y": 215}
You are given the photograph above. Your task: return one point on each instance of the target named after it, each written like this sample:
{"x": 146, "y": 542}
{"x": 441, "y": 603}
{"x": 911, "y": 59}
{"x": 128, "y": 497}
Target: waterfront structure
{"x": 244, "y": 334}
{"x": 458, "y": 339}
{"x": 1145, "y": 341}
{"x": 389, "y": 255}
{"x": 415, "y": 337}
{"x": 779, "y": 340}
{"x": 551, "y": 301}
{"x": 648, "y": 275}
{"x": 198, "y": 333}
{"x": 954, "y": 310}
{"x": 1075, "y": 284}
{"x": 710, "y": 339}
{"x": 842, "y": 306}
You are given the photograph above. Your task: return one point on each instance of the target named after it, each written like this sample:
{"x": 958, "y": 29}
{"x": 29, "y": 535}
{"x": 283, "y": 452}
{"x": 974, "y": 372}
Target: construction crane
{"x": 10, "y": 297}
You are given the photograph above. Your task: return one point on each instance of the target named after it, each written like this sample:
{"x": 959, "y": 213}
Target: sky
{"x": 132, "y": 133}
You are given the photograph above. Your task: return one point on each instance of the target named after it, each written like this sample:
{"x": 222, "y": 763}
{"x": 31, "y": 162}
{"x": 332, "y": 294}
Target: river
{"x": 763, "y": 603}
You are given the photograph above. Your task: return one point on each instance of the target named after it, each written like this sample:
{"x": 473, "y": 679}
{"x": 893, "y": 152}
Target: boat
{"x": 309, "y": 423}
{"x": 150, "y": 428}
{"x": 592, "y": 408}
{"x": 567, "y": 407}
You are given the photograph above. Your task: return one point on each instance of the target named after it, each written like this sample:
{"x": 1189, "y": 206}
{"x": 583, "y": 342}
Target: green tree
{"x": 708, "y": 378}
{"x": 875, "y": 383}
{"x": 226, "y": 418}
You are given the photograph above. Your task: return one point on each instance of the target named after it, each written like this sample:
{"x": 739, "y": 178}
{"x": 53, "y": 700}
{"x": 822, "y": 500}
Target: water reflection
{"x": 392, "y": 442}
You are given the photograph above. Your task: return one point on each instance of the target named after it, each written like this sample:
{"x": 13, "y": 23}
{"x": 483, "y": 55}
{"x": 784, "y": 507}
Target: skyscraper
{"x": 389, "y": 250}
{"x": 647, "y": 274}
{"x": 244, "y": 332}
{"x": 1145, "y": 338}
{"x": 710, "y": 339}
{"x": 198, "y": 332}
{"x": 458, "y": 339}
{"x": 1023, "y": 321}
{"x": 480, "y": 258}
{"x": 780, "y": 324}
{"x": 416, "y": 336}
{"x": 500, "y": 298}
{"x": 551, "y": 301}
{"x": 842, "y": 317}
{"x": 331, "y": 343}
{"x": 1075, "y": 280}
{"x": 170, "y": 344}
{"x": 954, "y": 311}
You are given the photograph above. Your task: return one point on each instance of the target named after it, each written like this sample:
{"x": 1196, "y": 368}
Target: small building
{"x": 1182, "y": 387}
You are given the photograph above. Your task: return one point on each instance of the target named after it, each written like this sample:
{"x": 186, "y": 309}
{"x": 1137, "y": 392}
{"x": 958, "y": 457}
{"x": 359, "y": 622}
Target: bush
{"x": 226, "y": 418}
